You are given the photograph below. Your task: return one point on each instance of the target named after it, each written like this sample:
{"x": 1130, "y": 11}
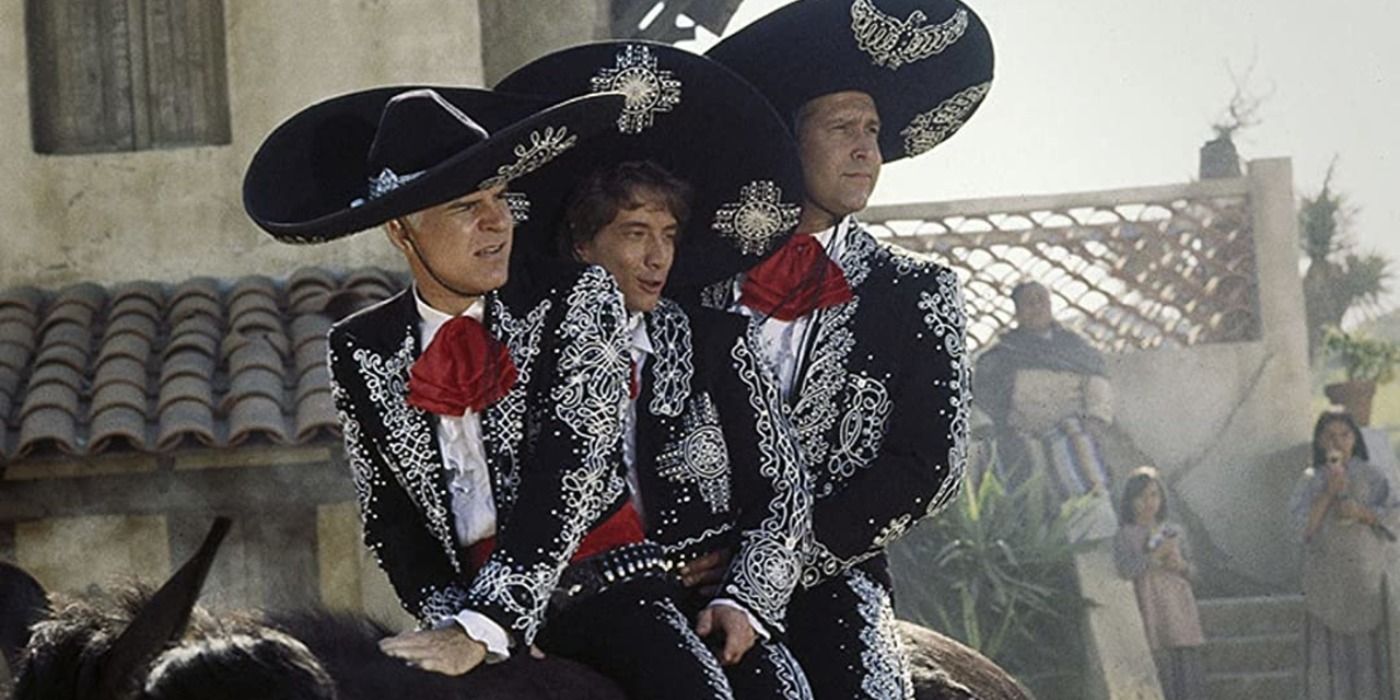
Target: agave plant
{"x": 997, "y": 574}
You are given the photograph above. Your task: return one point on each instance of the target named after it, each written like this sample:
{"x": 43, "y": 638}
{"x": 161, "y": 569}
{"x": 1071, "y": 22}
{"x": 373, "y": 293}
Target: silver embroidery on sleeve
{"x": 648, "y": 90}
{"x": 522, "y": 592}
{"x": 543, "y": 147}
{"x": 440, "y": 604}
{"x": 700, "y": 456}
{"x": 946, "y": 318}
{"x": 893, "y": 43}
{"x": 935, "y": 126}
{"x": 758, "y": 216}
{"x": 669, "y": 327}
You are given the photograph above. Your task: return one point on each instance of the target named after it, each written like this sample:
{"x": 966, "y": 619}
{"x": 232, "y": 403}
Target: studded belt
{"x": 638, "y": 563}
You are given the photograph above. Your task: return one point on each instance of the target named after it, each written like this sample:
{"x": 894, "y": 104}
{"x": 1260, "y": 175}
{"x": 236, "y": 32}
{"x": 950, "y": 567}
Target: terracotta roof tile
{"x": 129, "y": 345}
{"x": 57, "y": 373}
{"x": 118, "y": 427}
{"x": 67, "y": 312}
{"x": 61, "y": 354}
{"x": 197, "y": 324}
{"x": 195, "y": 305}
{"x": 184, "y": 422}
{"x": 9, "y": 383}
{"x": 254, "y": 307}
{"x": 255, "y": 381}
{"x": 310, "y": 355}
{"x": 71, "y": 334}
{"x": 256, "y": 415}
{"x": 182, "y": 389}
{"x": 316, "y": 415}
{"x": 50, "y": 395}
{"x": 118, "y": 394}
{"x": 88, "y": 294}
{"x": 152, "y": 366}
{"x": 27, "y": 298}
{"x": 20, "y": 315}
{"x": 136, "y": 324}
{"x": 196, "y": 343}
{"x": 309, "y": 327}
{"x": 120, "y": 369}
{"x": 255, "y": 354}
{"x": 253, "y": 320}
{"x": 15, "y": 357}
{"x": 191, "y": 363}
{"x": 48, "y": 429}
{"x": 136, "y": 305}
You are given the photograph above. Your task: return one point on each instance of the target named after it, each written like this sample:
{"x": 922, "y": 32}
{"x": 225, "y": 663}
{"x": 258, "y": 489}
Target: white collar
{"x": 431, "y": 319}
{"x": 637, "y": 332}
{"x": 828, "y": 235}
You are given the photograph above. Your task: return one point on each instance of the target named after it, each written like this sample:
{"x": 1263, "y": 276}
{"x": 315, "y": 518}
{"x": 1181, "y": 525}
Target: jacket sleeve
{"x": 922, "y": 456}
{"x": 427, "y": 584}
{"x": 572, "y": 474}
{"x": 773, "y": 498}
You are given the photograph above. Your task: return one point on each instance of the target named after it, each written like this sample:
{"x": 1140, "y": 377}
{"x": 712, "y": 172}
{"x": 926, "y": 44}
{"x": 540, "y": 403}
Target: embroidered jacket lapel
{"x": 408, "y": 435}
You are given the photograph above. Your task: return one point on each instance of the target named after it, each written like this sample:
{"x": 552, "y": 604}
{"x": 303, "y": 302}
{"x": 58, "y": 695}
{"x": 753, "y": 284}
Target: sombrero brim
{"x": 927, "y": 63}
{"x": 308, "y": 181}
{"x": 693, "y": 117}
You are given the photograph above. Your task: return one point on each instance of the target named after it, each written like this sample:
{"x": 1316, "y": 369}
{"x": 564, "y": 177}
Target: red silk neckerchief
{"x": 795, "y": 281}
{"x": 465, "y": 367}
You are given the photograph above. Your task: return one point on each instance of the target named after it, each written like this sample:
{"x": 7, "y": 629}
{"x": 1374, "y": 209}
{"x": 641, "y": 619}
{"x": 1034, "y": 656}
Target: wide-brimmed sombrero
{"x": 355, "y": 161}
{"x": 926, "y": 63}
{"x": 692, "y": 116}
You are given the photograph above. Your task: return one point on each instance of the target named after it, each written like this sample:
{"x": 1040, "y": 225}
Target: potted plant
{"x": 1368, "y": 362}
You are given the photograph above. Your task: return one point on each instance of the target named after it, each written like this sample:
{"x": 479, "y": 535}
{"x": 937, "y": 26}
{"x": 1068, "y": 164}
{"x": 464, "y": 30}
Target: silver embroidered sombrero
{"x": 355, "y": 161}
{"x": 926, "y": 63}
{"x": 697, "y": 119}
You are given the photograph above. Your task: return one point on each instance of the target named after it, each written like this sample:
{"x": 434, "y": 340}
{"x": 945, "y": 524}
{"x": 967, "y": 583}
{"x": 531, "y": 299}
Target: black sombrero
{"x": 358, "y": 160}
{"x": 926, "y": 63}
{"x": 693, "y": 117}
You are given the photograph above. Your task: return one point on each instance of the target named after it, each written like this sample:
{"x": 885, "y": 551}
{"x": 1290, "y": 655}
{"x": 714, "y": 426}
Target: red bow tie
{"x": 795, "y": 281}
{"x": 463, "y": 368}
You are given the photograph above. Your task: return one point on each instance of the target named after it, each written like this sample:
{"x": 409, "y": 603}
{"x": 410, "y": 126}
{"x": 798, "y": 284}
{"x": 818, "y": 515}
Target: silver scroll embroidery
{"x": 893, "y": 43}
{"x": 935, "y": 126}
{"x": 700, "y": 456}
{"x": 543, "y": 147}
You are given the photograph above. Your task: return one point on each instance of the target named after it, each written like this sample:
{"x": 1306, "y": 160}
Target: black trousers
{"x": 635, "y": 635}
{"x": 843, "y": 633}
{"x": 769, "y": 671}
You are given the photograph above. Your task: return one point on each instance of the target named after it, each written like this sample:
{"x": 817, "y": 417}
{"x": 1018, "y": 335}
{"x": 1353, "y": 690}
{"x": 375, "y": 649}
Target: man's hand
{"x": 448, "y": 651}
{"x": 739, "y": 635}
{"x": 706, "y": 572}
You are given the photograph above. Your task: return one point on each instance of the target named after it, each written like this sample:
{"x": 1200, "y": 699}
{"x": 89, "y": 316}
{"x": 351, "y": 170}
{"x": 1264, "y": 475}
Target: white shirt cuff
{"x": 757, "y": 626}
{"x": 482, "y": 629}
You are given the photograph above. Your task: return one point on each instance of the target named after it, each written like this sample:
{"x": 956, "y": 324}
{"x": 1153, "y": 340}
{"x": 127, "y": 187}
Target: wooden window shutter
{"x": 117, "y": 75}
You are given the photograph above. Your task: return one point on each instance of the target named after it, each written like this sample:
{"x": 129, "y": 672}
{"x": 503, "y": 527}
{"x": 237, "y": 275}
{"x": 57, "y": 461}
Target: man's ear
{"x": 397, "y": 234}
{"x": 580, "y": 250}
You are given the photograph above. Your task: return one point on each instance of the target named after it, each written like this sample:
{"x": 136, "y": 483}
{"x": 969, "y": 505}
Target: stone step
{"x": 1277, "y": 685}
{"x": 1242, "y": 617}
{"x": 1254, "y": 654}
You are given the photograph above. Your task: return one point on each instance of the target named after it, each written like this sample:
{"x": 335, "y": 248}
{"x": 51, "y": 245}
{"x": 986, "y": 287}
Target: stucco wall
{"x": 1227, "y": 422}
{"x": 172, "y": 214}
{"x": 519, "y": 32}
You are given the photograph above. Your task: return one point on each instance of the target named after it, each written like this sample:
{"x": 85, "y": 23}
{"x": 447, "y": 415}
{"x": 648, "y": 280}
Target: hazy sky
{"x": 1100, "y": 94}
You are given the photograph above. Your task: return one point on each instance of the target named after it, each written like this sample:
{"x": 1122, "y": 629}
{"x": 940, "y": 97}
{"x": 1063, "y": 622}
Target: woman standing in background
{"x": 1341, "y": 508}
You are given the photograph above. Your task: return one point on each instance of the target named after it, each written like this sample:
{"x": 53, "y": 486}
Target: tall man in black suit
{"x": 866, "y": 339}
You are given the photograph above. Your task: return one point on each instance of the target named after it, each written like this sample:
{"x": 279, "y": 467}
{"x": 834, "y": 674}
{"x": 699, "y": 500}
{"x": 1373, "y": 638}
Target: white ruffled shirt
{"x": 473, "y": 507}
